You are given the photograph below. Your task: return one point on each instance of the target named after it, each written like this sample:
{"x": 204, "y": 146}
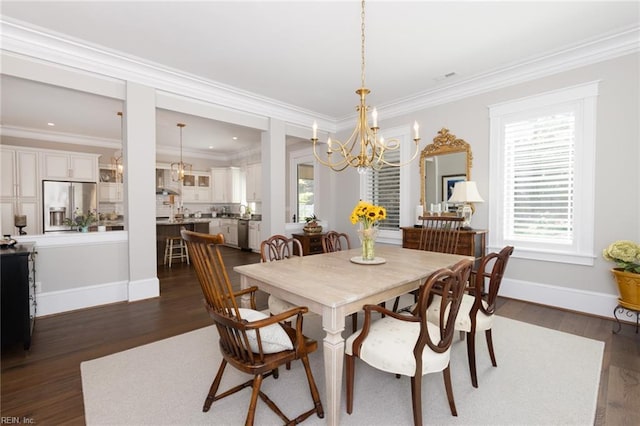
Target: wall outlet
{"x": 38, "y": 287}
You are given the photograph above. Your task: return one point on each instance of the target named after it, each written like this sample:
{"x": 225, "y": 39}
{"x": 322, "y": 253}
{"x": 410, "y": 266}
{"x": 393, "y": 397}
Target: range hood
{"x": 166, "y": 191}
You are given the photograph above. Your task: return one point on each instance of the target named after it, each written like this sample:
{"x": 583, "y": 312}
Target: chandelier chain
{"x": 362, "y": 40}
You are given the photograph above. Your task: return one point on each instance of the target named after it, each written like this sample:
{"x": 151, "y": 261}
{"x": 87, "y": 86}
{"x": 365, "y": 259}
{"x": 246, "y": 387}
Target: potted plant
{"x": 626, "y": 255}
{"x": 312, "y": 226}
{"x": 81, "y": 220}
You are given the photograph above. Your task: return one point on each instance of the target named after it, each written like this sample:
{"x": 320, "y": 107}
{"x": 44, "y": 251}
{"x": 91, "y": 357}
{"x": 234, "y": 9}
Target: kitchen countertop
{"x": 181, "y": 222}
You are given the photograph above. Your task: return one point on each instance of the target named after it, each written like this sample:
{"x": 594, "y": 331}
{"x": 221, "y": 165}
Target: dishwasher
{"x": 243, "y": 234}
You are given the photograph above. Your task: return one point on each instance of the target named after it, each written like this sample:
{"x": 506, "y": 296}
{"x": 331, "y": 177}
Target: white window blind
{"x": 383, "y": 189}
{"x": 541, "y": 175}
{"x": 539, "y": 178}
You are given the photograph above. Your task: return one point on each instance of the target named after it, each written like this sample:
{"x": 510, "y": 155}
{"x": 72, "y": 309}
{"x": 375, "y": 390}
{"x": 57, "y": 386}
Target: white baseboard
{"x": 589, "y": 302}
{"x": 54, "y": 302}
{"x": 144, "y": 289}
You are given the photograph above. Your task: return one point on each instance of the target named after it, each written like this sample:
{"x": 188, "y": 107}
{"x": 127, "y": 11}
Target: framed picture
{"x": 448, "y": 182}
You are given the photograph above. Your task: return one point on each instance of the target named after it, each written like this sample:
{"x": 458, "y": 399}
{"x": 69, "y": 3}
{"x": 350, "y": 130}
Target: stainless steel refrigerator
{"x": 61, "y": 198}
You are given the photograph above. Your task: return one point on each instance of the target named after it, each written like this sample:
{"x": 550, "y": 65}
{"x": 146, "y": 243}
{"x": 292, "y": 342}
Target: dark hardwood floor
{"x": 43, "y": 385}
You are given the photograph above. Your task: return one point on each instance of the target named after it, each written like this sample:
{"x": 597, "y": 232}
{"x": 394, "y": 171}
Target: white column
{"x": 139, "y": 146}
{"x": 273, "y": 179}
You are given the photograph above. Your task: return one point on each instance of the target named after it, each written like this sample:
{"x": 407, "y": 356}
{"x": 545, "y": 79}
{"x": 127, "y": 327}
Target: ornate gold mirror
{"x": 443, "y": 163}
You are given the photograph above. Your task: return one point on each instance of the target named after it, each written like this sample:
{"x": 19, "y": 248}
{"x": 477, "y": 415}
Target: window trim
{"x": 403, "y": 134}
{"x": 581, "y": 252}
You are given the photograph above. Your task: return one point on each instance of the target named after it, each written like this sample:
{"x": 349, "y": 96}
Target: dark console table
{"x": 18, "y": 294}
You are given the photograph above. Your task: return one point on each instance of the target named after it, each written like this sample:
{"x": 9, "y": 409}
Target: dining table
{"x": 335, "y": 285}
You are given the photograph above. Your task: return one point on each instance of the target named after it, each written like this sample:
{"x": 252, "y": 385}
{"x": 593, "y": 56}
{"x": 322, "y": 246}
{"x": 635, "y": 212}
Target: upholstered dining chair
{"x": 250, "y": 341}
{"x": 408, "y": 344}
{"x": 478, "y": 305}
{"x": 440, "y": 234}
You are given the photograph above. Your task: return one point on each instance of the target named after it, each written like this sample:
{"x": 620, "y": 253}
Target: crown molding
{"x": 69, "y": 138}
{"x": 44, "y": 45}
{"x": 610, "y": 46}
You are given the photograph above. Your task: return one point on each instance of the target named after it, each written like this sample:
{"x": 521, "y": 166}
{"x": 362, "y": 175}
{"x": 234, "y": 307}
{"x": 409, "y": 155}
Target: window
{"x": 541, "y": 175}
{"x": 305, "y": 191}
{"x": 382, "y": 187}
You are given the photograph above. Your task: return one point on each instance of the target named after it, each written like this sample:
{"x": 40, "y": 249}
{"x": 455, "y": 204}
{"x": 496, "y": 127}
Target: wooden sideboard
{"x": 311, "y": 243}
{"x": 472, "y": 242}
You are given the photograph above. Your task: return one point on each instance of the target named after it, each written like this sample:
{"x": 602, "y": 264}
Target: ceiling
{"x": 305, "y": 53}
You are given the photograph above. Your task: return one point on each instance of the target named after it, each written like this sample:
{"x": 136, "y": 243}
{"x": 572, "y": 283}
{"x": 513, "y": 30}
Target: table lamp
{"x": 464, "y": 193}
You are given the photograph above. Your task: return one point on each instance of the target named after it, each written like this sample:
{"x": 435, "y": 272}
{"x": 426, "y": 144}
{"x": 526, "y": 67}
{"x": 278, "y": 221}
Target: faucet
{"x": 243, "y": 210}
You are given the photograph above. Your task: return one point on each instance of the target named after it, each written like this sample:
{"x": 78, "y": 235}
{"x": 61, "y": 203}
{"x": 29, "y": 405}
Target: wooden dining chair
{"x": 250, "y": 341}
{"x": 440, "y": 234}
{"x": 408, "y": 344}
{"x": 279, "y": 247}
{"x": 478, "y": 305}
{"x": 335, "y": 241}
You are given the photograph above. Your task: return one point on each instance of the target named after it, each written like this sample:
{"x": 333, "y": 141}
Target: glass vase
{"x": 367, "y": 235}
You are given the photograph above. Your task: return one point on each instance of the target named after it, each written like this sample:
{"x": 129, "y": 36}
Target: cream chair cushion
{"x": 278, "y": 306}
{"x": 274, "y": 338}
{"x": 389, "y": 347}
{"x": 463, "y": 320}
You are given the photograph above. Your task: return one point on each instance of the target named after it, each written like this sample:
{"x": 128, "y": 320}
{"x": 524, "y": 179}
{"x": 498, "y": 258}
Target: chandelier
{"x": 178, "y": 170}
{"x": 364, "y": 149}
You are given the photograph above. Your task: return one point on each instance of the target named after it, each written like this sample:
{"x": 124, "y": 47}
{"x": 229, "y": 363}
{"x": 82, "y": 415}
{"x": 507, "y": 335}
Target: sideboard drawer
{"x": 471, "y": 242}
{"x": 311, "y": 243}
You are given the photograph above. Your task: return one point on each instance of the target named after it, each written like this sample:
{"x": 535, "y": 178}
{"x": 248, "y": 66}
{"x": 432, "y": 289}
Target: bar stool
{"x": 175, "y": 248}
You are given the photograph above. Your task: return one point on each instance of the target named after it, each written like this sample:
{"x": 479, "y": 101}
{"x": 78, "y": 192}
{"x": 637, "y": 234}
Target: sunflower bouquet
{"x": 367, "y": 214}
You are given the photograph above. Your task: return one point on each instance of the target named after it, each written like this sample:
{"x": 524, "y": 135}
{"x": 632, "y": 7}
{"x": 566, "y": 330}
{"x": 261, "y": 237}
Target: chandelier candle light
{"x": 367, "y": 216}
{"x": 364, "y": 149}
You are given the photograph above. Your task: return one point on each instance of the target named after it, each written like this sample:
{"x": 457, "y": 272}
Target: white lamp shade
{"x": 465, "y": 192}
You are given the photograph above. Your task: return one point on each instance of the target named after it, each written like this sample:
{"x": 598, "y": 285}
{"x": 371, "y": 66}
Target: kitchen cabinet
{"x": 255, "y": 235}
{"x": 230, "y": 231}
{"x": 253, "y": 182}
{"x": 110, "y": 190}
{"x": 214, "y": 227}
{"x": 19, "y": 189}
{"x": 226, "y": 185}
{"x": 163, "y": 178}
{"x": 62, "y": 165}
{"x": 196, "y": 188}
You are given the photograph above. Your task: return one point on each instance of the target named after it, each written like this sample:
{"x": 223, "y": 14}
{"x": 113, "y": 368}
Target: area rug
{"x": 544, "y": 377}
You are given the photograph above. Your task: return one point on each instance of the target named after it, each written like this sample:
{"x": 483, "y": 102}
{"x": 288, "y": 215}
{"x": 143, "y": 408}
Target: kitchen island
{"x": 166, "y": 228}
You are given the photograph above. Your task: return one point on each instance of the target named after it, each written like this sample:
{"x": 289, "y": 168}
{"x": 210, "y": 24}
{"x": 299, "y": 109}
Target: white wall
{"x": 617, "y": 193}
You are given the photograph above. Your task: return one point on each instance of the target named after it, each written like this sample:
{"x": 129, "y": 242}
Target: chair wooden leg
{"x": 446, "y": 373}
{"x": 471, "y": 355}
{"x": 214, "y": 387}
{"x": 416, "y": 397}
{"x": 354, "y": 322}
{"x": 288, "y": 324}
{"x": 396, "y": 303}
{"x": 487, "y": 333}
{"x": 257, "y": 382}
{"x": 350, "y": 377}
{"x": 315, "y": 395}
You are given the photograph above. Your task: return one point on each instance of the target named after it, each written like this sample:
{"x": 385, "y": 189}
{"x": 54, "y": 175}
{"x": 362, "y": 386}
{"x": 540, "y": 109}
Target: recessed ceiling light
{"x": 51, "y": 124}
{"x": 210, "y": 146}
{"x": 235, "y": 138}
